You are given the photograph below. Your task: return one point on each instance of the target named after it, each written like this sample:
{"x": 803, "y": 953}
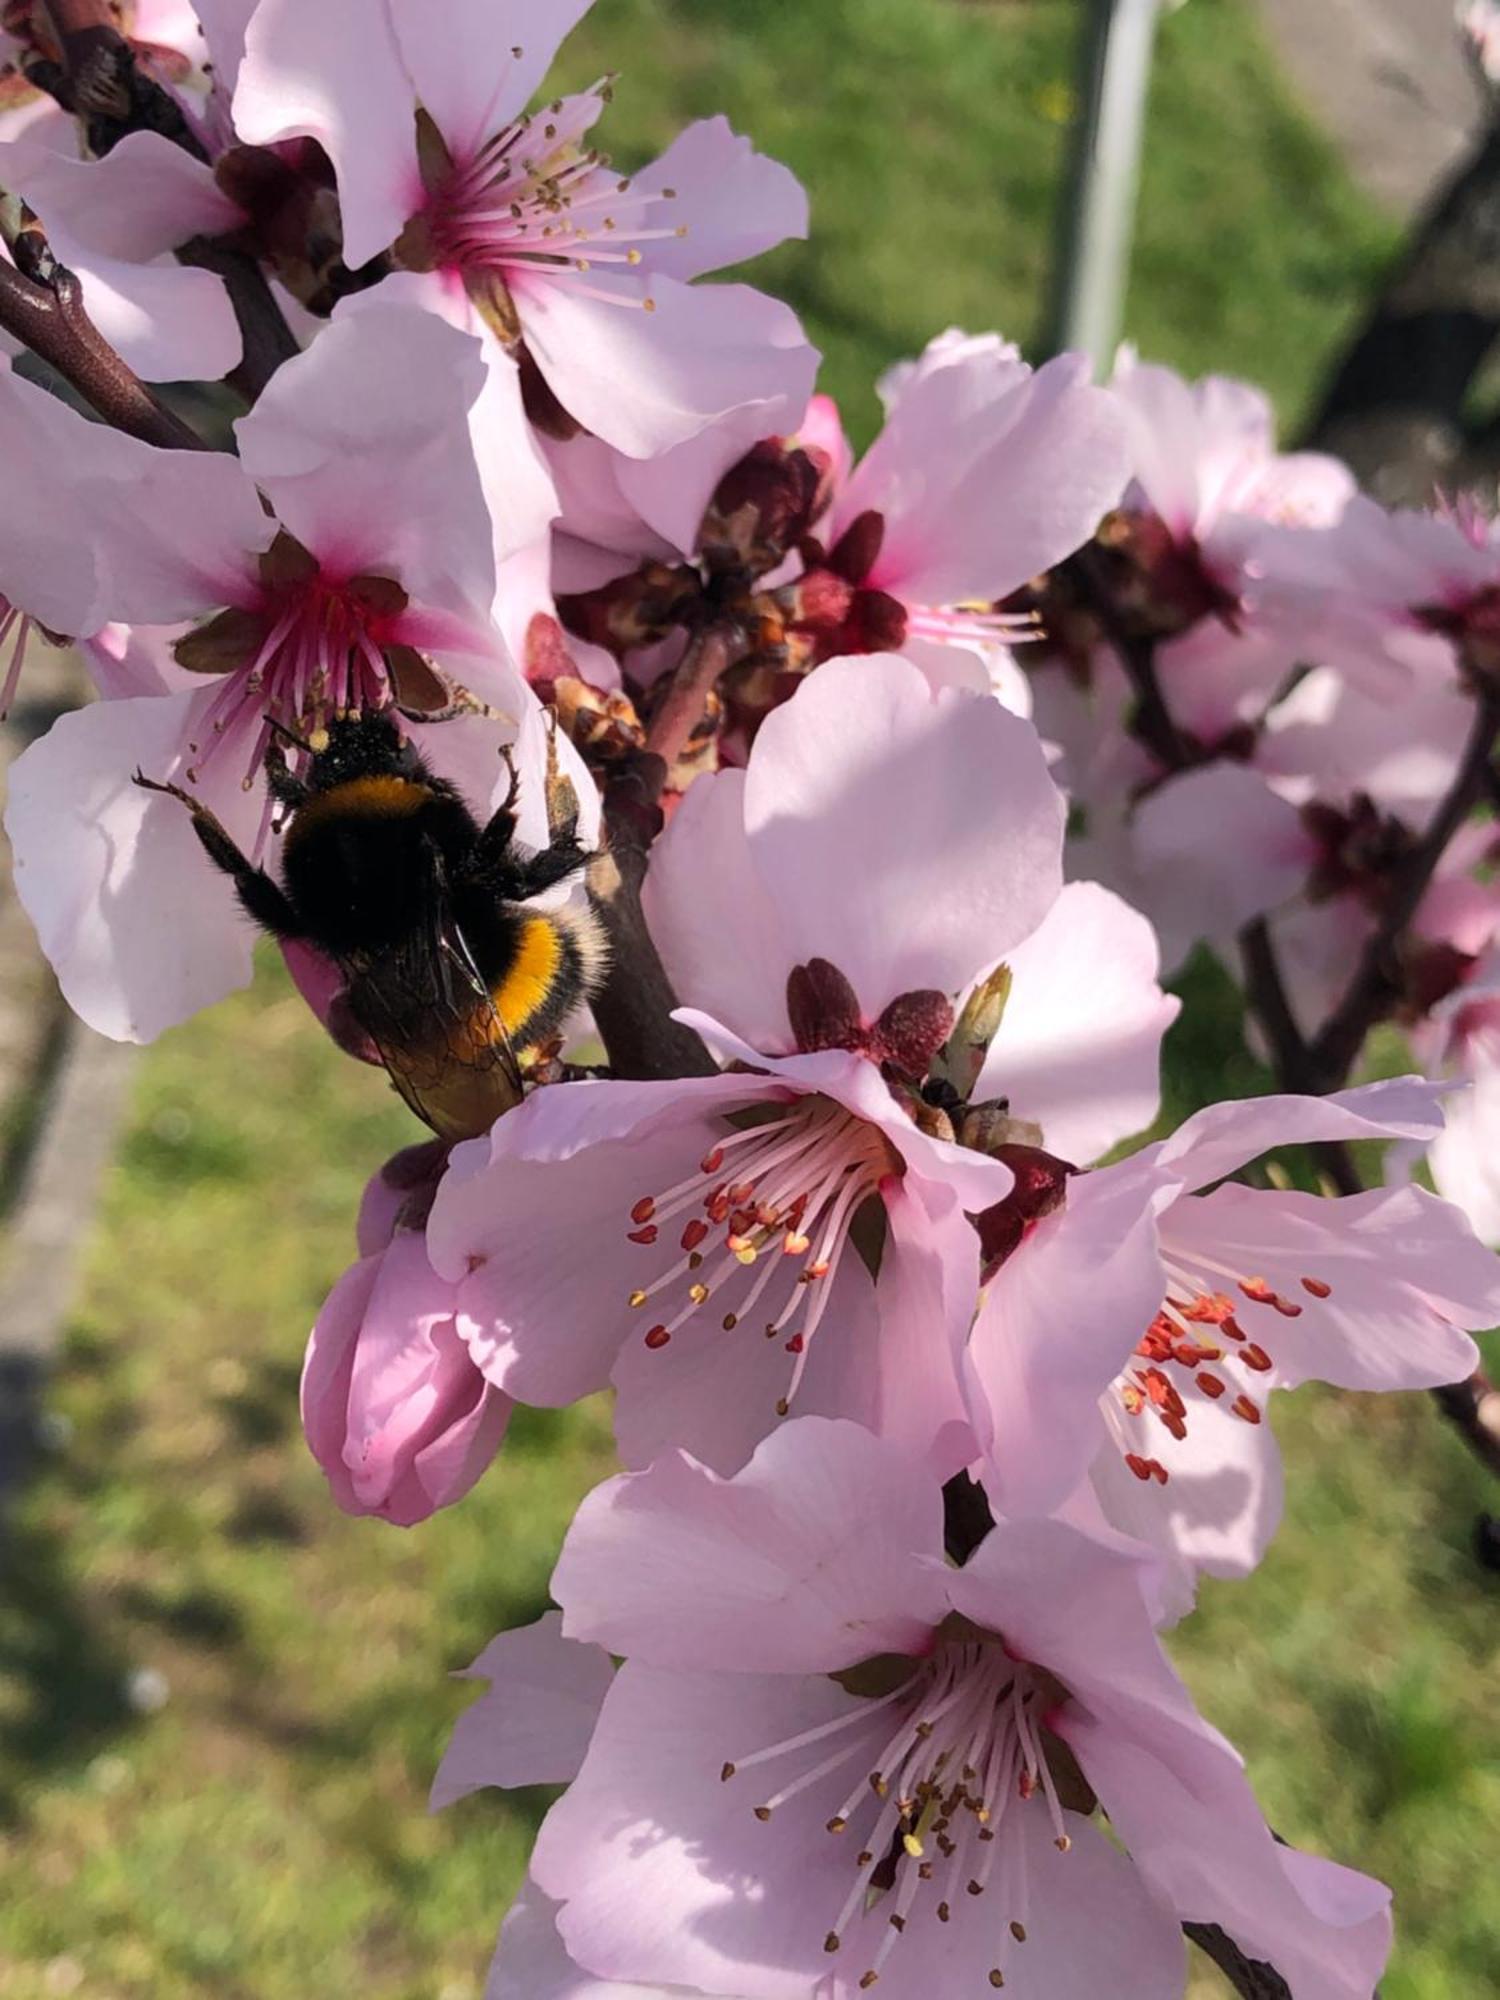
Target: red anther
{"x": 795, "y": 1245}
{"x": 1158, "y": 1472}
{"x": 1256, "y": 1358}
{"x": 1288, "y": 1308}
{"x": 816, "y": 1271}
{"x": 647, "y": 1235}
{"x": 1258, "y": 1289}
{"x": 711, "y": 1162}
{"x": 1317, "y": 1287}
{"x": 694, "y": 1234}
{"x": 658, "y": 1337}
{"x": 644, "y": 1209}
{"x": 1233, "y": 1328}
{"x": 716, "y": 1206}
{"x": 742, "y": 1191}
{"x": 1141, "y": 1467}
{"x": 1244, "y": 1409}
{"x": 731, "y": 1321}
{"x": 796, "y": 1344}
{"x": 1211, "y": 1385}
{"x": 743, "y": 1221}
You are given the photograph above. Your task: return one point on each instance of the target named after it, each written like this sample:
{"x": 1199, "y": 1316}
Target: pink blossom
{"x": 1138, "y": 1328}
{"x": 1461, "y": 1040}
{"x": 395, "y": 1412}
{"x": 707, "y": 1243}
{"x": 985, "y": 474}
{"x": 380, "y": 546}
{"x": 1215, "y": 525}
{"x": 519, "y": 228}
{"x": 830, "y": 1755}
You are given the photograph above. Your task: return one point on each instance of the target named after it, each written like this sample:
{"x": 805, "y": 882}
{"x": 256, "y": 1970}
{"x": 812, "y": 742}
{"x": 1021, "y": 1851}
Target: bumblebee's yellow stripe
{"x": 526, "y": 985}
{"x": 382, "y": 796}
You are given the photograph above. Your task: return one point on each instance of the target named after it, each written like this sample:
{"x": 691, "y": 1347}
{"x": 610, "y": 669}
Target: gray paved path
{"x": 1388, "y": 80}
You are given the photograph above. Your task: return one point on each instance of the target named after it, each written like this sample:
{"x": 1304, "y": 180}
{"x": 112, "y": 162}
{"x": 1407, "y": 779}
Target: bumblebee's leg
{"x": 285, "y": 788}
{"x": 262, "y": 899}
{"x": 562, "y": 800}
{"x": 514, "y": 873}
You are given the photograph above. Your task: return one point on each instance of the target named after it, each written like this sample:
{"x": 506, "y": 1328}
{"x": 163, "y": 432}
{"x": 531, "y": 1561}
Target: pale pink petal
{"x": 787, "y": 1568}
{"x": 139, "y": 928}
{"x": 922, "y": 849}
{"x": 651, "y": 1852}
{"x": 145, "y": 199}
{"x": 1079, "y": 1048}
{"x": 1218, "y": 1141}
{"x": 532, "y": 1724}
{"x": 166, "y": 321}
{"x": 1189, "y": 441}
{"x": 1465, "y": 1156}
{"x": 333, "y": 72}
{"x": 476, "y": 64}
{"x": 1059, "y": 1321}
{"x": 1406, "y": 1273}
{"x": 224, "y": 24}
{"x": 950, "y": 348}
{"x": 1220, "y": 1508}
{"x": 47, "y": 568}
{"x": 363, "y": 447}
{"x": 531, "y": 1962}
{"x": 671, "y": 491}
{"x": 181, "y": 535}
{"x": 647, "y": 380}
{"x": 533, "y": 1223}
{"x": 1218, "y": 847}
{"x": 821, "y": 429}
{"x": 730, "y": 202}
{"x": 987, "y": 474}
{"x": 701, "y": 868}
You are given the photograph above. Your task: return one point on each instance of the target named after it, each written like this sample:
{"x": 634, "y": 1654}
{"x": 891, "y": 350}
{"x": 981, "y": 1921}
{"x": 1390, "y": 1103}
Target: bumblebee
{"x": 450, "y": 979}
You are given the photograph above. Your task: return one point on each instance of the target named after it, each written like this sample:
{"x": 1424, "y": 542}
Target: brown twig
{"x": 102, "y": 84}
{"x": 1266, "y": 997}
{"x": 1252, "y": 1978}
{"x": 41, "y": 304}
{"x": 713, "y": 649}
{"x": 266, "y": 339}
{"x": 1152, "y": 722}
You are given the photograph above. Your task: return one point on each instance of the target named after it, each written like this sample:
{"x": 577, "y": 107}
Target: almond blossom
{"x": 379, "y": 558}
{"x": 1135, "y": 1331}
{"x": 832, "y": 1761}
{"x": 732, "y": 1221}
{"x": 581, "y": 278}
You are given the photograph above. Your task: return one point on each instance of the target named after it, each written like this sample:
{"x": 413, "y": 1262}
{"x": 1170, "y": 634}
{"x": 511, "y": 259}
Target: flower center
{"x": 1196, "y": 1351}
{"x": 764, "y": 1223}
{"x": 942, "y": 1767}
{"x": 535, "y": 199}
{"x": 311, "y": 649}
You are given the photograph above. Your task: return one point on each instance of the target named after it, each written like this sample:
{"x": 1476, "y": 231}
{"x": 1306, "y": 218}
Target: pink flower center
{"x": 535, "y": 199}
{"x": 1196, "y": 1351}
{"x": 942, "y": 1768}
{"x": 765, "y": 1220}
{"x": 311, "y": 648}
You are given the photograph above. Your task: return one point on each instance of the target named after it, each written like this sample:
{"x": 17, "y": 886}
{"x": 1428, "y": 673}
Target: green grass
{"x": 263, "y": 1835}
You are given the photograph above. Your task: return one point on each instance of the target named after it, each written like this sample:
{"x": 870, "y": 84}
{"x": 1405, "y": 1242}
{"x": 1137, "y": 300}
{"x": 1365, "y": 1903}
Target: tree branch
{"x": 1252, "y": 1978}
{"x": 41, "y": 304}
{"x": 102, "y": 84}
{"x": 265, "y": 337}
{"x": 712, "y": 651}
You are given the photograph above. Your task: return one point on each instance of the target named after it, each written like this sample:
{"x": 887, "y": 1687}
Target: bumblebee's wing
{"x": 429, "y": 1012}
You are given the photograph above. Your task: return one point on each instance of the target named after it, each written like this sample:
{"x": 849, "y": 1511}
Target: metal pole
{"x": 1099, "y": 217}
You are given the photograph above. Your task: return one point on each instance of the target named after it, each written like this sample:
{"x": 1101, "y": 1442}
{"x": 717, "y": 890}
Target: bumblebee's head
{"x": 362, "y": 746}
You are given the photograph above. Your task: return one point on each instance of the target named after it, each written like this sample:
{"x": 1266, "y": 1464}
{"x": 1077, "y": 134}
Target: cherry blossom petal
{"x": 1058, "y": 1322}
{"x": 166, "y": 321}
{"x": 651, "y": 1853}
{"x": 476, "y": 64}
{"x": 47, "y": 567}
{"x": 145, "y": 199}
{"x": 1218, "y": 847}
{"x": 1465, "y": 1156}
{"x": 1218, "y": 1141}
{"x": 787, "y": 1568}
{"x": 1079, "y": 1048}
{"x": 224, "y": 24}
{"x": 532, "y": 1724}
{"x": 362, "y": 444}
{"x": 531, "y": 1961}
{"x": 1406, "y": 1273}
{"x": 533, "y": 1223}
{"x": 731, "y": 203}
{"x": 333, "y": 72}
{"x": 1221, "y": 1506}
{"x": 987, "y": 474}
{"x": 647, "y": 380}
{"x": 924, "y": 849}
{"x": 139, "y": 928}
{"x": 701, "y": 868}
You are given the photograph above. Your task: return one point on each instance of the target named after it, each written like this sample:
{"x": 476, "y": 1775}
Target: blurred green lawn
{"x": 263, "y": 1834}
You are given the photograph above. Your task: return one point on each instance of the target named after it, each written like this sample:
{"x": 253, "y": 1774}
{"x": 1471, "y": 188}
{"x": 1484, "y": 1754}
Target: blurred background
{"x": 221, "y": 1702}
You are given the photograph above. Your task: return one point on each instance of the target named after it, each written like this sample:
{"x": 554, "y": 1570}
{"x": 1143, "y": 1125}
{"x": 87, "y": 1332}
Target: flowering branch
{"x": 101, "y": 83}
{"x": 41, "y": 304}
